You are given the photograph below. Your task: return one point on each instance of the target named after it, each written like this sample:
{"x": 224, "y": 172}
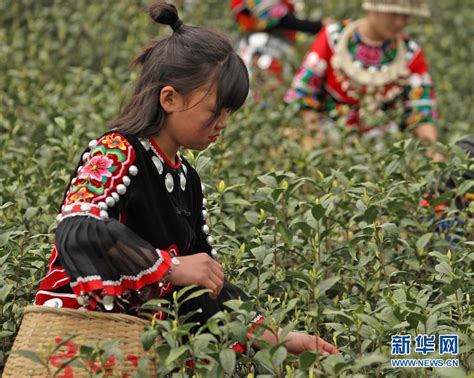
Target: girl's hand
{"x": 298, "y": 342}
{"x": 198, "y": 269}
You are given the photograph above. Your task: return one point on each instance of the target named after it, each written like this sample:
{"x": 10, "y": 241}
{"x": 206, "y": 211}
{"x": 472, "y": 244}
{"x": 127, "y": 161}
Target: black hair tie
{"x": 178, "y": 23}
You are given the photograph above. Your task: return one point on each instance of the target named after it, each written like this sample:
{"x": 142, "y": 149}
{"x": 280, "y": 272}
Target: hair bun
{"x": 164, "y": 13}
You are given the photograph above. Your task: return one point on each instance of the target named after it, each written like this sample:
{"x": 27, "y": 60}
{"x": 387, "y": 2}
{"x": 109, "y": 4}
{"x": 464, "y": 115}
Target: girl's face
{"x": 188, "y": 120}
{"x": 387, "y": 25}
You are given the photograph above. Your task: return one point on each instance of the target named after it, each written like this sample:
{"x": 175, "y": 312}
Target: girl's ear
{"x": 170, "y": 99}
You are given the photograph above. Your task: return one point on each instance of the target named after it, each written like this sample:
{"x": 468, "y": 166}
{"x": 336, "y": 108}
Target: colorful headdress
{"x": 410, "y": 7}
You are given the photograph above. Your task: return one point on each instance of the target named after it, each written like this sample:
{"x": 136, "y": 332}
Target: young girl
{"x": 132, "y": 225}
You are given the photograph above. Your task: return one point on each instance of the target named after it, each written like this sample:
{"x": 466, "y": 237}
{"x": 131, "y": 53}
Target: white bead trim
{"x": 121, "y": 189}
{"x": 210, "y": 240}
{"x": 133, "y": 170}
{"x": 151, "y": 269}
{"x": 62, "y": 217}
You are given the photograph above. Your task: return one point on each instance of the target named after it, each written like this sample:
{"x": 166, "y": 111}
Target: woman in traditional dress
{"x": 364, "y": 71}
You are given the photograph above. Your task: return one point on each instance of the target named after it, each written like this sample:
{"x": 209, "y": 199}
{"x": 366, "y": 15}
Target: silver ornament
{"x": 67, "y": 208}
{"x": 59, "y": 217}
{"x": 55, "y": 303}
{"x": 203, "y": 188}
{"x": 205, "y": 229}
{"x": 108, "y": 302}
{"x": 102, "y": 205}
{"x": 133, "y": 170}
{"x": 204, "y": 202}
{"x": 126, "y": 180}
{"x": 182, "y": 181}
{"x": 85, "y": 156}
{"x": 115, "y": 196}
{"x": 92, "y": 143}
{"x": 205, "y": 215}
{"x": 372, "y": 69}
{"x": 110, "y": 201}
{"x": 169, "y": 182}
{"x": 158, "y": 164}
{"x": 86, "y": 207}
{"x": 104, "y": 214}
{"x": 214, "y": 253}
{"x": 210, "y": 240}
{"x": 121, "y": 189}
{"x": 145, "y": 143}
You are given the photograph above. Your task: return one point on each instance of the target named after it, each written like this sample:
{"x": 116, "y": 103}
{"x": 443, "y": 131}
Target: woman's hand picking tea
{"x": 198, "y": 269}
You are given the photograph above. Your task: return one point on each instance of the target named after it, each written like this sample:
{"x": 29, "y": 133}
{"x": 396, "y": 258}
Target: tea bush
{"x": 332, "y": 241}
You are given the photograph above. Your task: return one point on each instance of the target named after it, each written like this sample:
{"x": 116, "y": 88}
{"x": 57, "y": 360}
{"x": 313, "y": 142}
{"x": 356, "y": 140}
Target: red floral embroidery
{"x": 104, "y": 169}
{"x": 82, "y": 195}
{"x": 96, "y": 168}
{"x": 368, "y": 54}
{"x": 115, "y": 141}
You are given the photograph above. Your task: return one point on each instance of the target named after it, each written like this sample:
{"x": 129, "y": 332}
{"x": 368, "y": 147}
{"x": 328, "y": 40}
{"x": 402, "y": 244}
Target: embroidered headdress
{"x": 410, "y": 7}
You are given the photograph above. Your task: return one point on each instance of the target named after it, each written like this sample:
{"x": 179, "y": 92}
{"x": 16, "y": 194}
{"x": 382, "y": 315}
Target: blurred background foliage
{"x": 338, "y": 228}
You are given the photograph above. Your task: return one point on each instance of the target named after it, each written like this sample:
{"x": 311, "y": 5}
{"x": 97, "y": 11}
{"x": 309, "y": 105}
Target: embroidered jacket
{"x": 127, "y": 210}
{"x": 321, "y": 86}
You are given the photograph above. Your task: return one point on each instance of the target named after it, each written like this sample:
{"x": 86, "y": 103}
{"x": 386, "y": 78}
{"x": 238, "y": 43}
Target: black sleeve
{"x": 100, "y": 255}
{"x": 107, "y": 256}
{"x": 291, "y": 22}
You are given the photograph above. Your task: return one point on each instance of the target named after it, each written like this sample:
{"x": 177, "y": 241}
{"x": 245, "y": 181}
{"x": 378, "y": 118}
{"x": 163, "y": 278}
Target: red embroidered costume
{"x": 341, "y": 76}
{"x": 126, "y": 212}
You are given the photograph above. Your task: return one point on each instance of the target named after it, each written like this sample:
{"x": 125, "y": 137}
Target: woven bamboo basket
{"x": 43, "y": 327}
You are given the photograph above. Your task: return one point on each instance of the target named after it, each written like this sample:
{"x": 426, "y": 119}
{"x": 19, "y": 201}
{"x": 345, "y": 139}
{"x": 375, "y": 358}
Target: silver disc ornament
{"x": 169, "y": 182}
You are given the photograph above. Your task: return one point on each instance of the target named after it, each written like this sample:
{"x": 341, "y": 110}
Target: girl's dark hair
{"x": 186, "y": 60}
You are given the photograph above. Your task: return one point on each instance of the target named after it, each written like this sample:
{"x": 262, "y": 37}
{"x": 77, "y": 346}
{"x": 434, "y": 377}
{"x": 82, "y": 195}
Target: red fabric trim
{"x": 50, "y": 282}
{"x": 418, "y": 64}
{"x": 163, "y": 155}
{"x": 256, "y": 323}
{"x": 238, "y": 347}
{"x": 68, "y": 302}
{"x": 125, "y": 283}
{"x": 57, "y": 278}
{"x": 55, "y": 273}
{"x": 76, "y": 210}
{"x": 54, "y": 256}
